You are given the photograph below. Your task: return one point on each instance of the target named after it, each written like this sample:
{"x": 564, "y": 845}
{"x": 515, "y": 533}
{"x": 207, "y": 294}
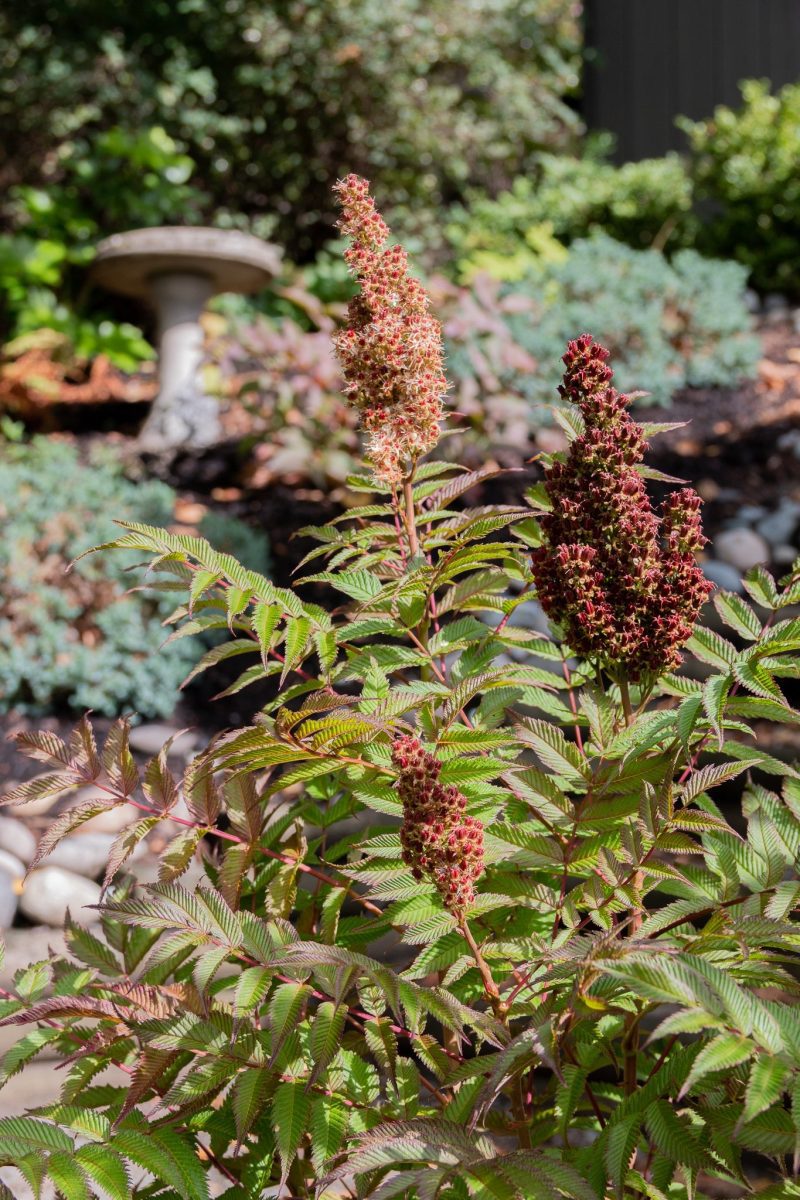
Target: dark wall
{"x": 651, "y": 60}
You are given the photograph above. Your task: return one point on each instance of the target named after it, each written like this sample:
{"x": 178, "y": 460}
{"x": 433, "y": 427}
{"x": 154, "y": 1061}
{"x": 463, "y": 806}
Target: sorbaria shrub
{"x": 474, "y": 920}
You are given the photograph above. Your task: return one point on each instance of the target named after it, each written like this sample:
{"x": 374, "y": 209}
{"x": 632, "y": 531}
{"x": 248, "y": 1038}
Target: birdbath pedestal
{"x": 176, "y": 269}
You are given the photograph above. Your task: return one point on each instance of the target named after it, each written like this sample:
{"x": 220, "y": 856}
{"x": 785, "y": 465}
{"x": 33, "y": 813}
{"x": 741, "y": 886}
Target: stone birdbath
{"x": 176, "y": 269}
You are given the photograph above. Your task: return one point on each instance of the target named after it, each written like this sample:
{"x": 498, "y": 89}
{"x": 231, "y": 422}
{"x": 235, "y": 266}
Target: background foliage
{"x": 98, "y": 182}
{"x": 671, "y": 324}
{"x": 639, "y": 203}
{"x": 276, "y": 101}
{"x": 83, "y": 640}
{"x": 124, "y": 115}
{"x": 744, "y": 163}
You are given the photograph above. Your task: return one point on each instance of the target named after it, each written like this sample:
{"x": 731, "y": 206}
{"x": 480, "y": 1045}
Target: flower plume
{"x": 391, "y": 349}
{"x": 440, "y": 842}
{"x": 621, "y": 579}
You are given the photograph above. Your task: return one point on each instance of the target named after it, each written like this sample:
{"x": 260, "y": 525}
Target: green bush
{"x": 567, "y": 198}
{"x": 745, "y": 163}
{"x": 670, "y": 325}
{"x": 274, "y": 101}
{"x": 77, "y": 640}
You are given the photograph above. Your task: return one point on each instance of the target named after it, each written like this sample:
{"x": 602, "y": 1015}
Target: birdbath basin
{"x": 176, "y": 269}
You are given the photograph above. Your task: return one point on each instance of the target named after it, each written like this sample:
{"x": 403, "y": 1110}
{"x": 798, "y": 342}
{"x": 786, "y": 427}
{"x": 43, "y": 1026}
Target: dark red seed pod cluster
{"x": 621, "y": 579}
{"x": 440, "y": 841}
{"x": 391, "y": 349}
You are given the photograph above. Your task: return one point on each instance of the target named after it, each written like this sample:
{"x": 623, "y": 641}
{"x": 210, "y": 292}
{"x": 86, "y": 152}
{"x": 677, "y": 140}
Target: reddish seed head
{"x": 393, "y": 371}
{"x": 620, "y": 579}
{"x": 438, "y": 841}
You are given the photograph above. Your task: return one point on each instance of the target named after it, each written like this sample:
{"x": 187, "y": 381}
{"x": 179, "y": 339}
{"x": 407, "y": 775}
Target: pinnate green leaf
{"x": 290, "y": 1112}
{"x": 249, "y": 1097}
{"x": 738, "y": 614}
{"x": 358, "y": 585}
{"x": 325, "y": 1036}
{"x": 710, "y": 777}
{"x": 757, "y": 679}
{"x": 68, "y": 1177}
{"x": 33, "y": 1134}
{"x": 761, "y": 588}
{"x": 765, "y": 1085}
{"x": 298, "y": 631}
{"x": 264, "y": 621}
{"x": 620, "y": 1143}
{"x": 328, "y": 1129}
{"x": 673, "y": 1135}
{"x": 251, "y": 988}
{"x": 561, "y": 756}
{"x": 105, "y": 1168}
{"x": 720, "y": 1054}
{"x": 712, "y": 648}
{"x": 715, "y": 693}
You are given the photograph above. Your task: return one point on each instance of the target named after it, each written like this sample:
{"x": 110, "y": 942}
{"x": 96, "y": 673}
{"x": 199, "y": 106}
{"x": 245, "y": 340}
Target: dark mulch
{"x": 735, "y": 440}
{"x": 767, "y": 405}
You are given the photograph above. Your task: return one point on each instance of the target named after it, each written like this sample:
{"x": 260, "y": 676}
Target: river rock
{"x": 776, "y": 307}
{"x": 748, "y": 514}
{"x": 752, "y": 300}
{"x": 35, "y": 808}
{"x": 50, "y": 891}
{"x": 784, "y": 556}
{"x": 779, "y": 526}
{"x": 790, "y": 441}
{"x": 722, "y": 575}
{"x": 148, "y": 739}
{"x": 11, "y": 866}
{"x": 531, "y": 615}
{"x": 17, "y": 839}
{"x": 87, "y": 853}
{"x": 29, "y": 945}
{"x": 741, "y": 548}
{"x": 9, "y": 900}
{"x": 84, "y": 853}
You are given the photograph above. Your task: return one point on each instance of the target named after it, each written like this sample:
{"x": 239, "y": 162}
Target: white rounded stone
{"x": 35, "y": 808}
{"x": 112, "y": 820}
{"x": 84, "y": 853}
{"x": 741, "y": 548}
{"x": 149, "y": 738}
{"x": 17, "y": 839}
{"x": 12, "y": 866}
{"x": 723, "y": 575}
{"x": 87, "y": 853}
{"x": 51, "y": 891}
{"x": 785, "y": 555}
{"x": 9, "y": 900}
{"x": 780, "y": 525}
{"x": 29, "y": 945}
